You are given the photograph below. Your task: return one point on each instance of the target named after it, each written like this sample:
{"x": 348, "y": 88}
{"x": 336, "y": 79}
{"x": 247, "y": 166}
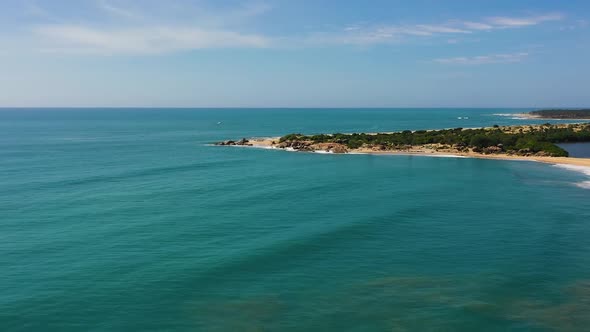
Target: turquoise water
{"x": 119, "y": 220}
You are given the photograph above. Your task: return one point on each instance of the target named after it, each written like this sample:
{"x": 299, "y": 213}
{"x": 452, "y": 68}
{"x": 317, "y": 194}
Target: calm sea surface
{"x": 122, "y": 220}
{"x": 577, "y": 150}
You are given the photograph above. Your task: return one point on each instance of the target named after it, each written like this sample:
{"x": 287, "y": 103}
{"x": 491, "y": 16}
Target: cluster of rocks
{"x": 243, "y": 142}
{"x": 330, "y": 147}
{"x": 529, "y": 153}
{"x": 310, "y": 146}
{"x": 490, "y": 149}
{"x": 388, "y": 147}
{"x": 522, "y": 152}
{"x": 296, "y": 145}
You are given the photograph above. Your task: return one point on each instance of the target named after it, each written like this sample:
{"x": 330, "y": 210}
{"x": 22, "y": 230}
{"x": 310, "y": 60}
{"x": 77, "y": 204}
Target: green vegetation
{"x": 513, "y": 140}
{"x": 563, "y": 113}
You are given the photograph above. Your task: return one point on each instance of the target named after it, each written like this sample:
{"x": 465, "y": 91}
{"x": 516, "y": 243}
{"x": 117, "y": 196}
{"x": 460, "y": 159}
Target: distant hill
{"x": 562, "y": 114}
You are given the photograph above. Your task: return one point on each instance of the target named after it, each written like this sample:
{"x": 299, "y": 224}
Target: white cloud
{"x": 162, "y": 29}
{"x": 359, "y": 35}
{"x": 506, "y": 22}
{"x": 434, "y": 29}
{"x": 149, "y": 32}
{"x": 477, "y": 26}
{"x": 149, "y": 40}
{"x": 485, "y": 59}
{"x": 381, "y": 34}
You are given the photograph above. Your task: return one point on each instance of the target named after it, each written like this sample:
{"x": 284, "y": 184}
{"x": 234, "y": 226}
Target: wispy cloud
{"x": 485, "y": 59}
{"x": 151, "y": 40}
{"x": 477, "y": 26}
{"x": 509, "y": 22}
{"x": 132, "y": 31}
{"x": 356, "y": 35}
{"x": 381, "y": 34}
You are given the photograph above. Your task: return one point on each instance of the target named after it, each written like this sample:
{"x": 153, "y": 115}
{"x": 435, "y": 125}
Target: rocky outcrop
{"x": 492, "y": 150}
{"x": 295, "y": 145}
{"x": 330, "y": 147}
{"x": 242, "y": 142}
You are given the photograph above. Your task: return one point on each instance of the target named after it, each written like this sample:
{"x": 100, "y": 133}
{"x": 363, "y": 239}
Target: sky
{"x": 294, "y": 53}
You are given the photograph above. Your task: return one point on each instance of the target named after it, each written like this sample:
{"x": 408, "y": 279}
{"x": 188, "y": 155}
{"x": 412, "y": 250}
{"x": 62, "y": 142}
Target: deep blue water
{"x": 577, "y": 150}
{"x": 121, "y": 220}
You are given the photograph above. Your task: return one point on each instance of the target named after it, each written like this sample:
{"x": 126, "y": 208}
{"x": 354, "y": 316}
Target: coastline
{"x": 528, "y": 116}
{"x": 267, "y": 143}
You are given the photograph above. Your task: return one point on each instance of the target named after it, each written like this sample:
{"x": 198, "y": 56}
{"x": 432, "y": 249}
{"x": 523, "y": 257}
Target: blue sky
{"x": 303, "y": 53}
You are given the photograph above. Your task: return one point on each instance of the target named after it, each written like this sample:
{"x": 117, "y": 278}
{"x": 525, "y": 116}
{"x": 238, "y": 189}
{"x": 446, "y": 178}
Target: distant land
{"x": 535, "y": 142}
{"x": 569, "y": 114}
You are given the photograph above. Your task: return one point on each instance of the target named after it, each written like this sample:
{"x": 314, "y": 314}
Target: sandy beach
{"x": 524, "y": 116}
{"x": 269, "y": 142}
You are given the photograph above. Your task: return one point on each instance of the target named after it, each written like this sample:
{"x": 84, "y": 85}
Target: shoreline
{"x": 266, "y": 143}
{"x": 527, "y": 116}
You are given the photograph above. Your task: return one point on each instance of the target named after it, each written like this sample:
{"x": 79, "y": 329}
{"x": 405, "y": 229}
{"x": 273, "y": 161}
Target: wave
{"x": 512, "y": 116}
{"x": 582, "y": 169}
{"x": 137, "y": 173}
{"x": 503, "y": 114}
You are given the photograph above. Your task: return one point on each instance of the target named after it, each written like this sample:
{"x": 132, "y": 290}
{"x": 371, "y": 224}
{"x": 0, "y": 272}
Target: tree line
{"x": 508, "y": 139}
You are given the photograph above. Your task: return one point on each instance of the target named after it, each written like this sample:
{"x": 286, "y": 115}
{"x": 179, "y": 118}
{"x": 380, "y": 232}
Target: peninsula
{"x": 530, "y": 142}
{"x": 558, "y": 114}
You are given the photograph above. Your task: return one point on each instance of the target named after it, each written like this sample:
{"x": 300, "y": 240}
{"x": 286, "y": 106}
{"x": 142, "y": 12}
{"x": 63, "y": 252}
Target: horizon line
{"x": 279, "y": 107}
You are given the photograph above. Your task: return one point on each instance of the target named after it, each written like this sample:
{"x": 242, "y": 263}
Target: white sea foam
{"x": 505, "y": 114}
{"x": 581, "y": 169}
{"x": 323, "y": 152}
{"x": 512, "y": 116}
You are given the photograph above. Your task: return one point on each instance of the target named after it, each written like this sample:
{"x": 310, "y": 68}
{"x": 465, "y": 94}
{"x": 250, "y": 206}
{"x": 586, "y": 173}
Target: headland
{"x": 527, "y": 142}
{"x": 557, "y": 114}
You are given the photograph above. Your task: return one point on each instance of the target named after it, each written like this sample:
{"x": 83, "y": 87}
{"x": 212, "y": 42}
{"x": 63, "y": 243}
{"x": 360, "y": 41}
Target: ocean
{"x": 130, "y": 220}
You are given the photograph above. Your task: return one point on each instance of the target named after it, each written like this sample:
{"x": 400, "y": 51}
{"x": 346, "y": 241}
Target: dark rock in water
{"x": 243, "y": 141}
{"x": 226, "y": 143}
{"x": 296, "y": 145}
